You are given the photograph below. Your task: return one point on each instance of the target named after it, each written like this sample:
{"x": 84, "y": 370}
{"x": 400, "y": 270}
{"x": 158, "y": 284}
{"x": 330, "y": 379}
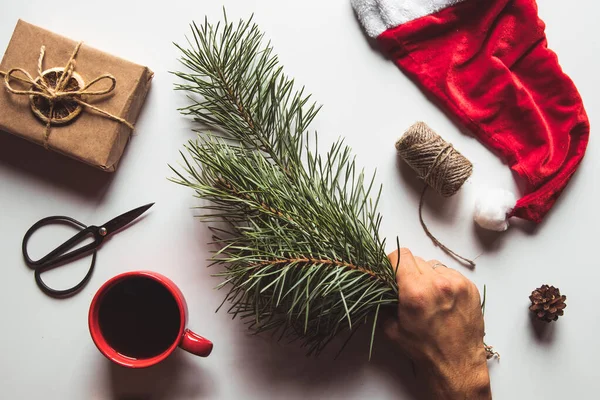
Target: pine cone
{"x": 547, "y": 303}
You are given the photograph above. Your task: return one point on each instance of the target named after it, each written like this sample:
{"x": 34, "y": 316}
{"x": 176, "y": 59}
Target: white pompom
{"x": 492, "y": 207}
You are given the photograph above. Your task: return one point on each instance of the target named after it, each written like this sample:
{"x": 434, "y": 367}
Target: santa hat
{"x": 487, "y": 62}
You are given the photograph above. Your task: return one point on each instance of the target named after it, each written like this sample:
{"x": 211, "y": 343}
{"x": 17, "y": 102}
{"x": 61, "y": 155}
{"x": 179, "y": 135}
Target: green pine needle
{"x": 297, "y": 231}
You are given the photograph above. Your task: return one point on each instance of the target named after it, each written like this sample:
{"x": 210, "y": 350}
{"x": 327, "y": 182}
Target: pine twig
{"x": 300, "y": 250}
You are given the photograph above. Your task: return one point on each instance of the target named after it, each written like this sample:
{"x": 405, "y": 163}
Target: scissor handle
{"x": 63, "y": 292}
{"x": 61, "y": 253}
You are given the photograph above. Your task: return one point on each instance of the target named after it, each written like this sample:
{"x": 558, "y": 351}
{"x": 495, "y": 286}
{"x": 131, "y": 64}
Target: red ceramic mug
{"x": 138, "y": 318}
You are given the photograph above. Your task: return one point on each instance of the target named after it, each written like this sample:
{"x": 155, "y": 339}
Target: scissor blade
{"x": 124, "y": 219}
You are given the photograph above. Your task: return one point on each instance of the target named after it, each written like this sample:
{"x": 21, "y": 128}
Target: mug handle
{"x": 195, "y": 344}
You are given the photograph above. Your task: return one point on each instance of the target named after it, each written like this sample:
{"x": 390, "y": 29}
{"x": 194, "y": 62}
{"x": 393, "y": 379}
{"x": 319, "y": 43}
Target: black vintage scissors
{"x": 62, "y": 255}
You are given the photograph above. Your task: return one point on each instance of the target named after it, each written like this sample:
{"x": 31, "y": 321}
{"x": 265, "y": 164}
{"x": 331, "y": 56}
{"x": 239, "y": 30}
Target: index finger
{"x": 404, "y": 263}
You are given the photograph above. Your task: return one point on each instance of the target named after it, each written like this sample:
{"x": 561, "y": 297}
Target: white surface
{"x": 45, "y": 348}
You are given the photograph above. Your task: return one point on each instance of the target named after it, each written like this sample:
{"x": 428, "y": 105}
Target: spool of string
{"x": 439, "y": 164}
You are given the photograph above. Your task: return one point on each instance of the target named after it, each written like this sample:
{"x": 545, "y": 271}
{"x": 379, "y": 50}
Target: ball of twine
{"x": 434, "y": 160}
{"x": 440, "y": 165}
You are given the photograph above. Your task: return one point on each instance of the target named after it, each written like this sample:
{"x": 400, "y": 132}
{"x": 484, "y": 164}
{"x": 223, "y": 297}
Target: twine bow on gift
{"x": 61, "y": 90}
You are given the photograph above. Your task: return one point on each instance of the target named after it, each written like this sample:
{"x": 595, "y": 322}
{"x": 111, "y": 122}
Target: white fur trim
{"x": 376, "y": 16}
{"x": 492, "y": 207}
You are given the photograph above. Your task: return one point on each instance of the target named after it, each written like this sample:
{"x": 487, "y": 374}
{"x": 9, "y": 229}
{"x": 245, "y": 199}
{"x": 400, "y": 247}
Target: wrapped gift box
{"x": 89, "y": 127}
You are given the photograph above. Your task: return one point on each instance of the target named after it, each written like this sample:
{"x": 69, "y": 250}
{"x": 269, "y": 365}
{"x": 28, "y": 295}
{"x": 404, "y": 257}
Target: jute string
{"x": 441, "y": 167}
{"x": 57, "y": 93}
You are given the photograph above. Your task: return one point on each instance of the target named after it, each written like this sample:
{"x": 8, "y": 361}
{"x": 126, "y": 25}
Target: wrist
{"x": 465, "y": 377}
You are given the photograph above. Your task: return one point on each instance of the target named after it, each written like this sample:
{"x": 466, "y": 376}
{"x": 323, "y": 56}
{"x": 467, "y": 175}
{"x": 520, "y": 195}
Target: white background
{"x": 45, "y": 348}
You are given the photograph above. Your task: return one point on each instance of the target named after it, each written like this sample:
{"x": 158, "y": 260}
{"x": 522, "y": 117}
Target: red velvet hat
{"x": 487, "y": 62}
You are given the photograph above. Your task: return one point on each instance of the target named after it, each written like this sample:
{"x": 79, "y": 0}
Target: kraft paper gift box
{"x": 91, "y": 123}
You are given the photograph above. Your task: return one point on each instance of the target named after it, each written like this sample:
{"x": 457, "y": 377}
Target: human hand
{"x": 440, "y": 327}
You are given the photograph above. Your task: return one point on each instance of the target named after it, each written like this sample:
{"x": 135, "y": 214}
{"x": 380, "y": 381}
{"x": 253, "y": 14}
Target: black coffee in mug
{"x": 139, "y": 317}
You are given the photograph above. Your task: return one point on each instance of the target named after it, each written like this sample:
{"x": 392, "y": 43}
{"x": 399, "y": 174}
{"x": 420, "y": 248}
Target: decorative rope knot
{"x": 56, "y": 95}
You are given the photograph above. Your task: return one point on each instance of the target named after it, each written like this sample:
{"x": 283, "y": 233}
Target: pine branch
{"x": 300, "y": 248}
